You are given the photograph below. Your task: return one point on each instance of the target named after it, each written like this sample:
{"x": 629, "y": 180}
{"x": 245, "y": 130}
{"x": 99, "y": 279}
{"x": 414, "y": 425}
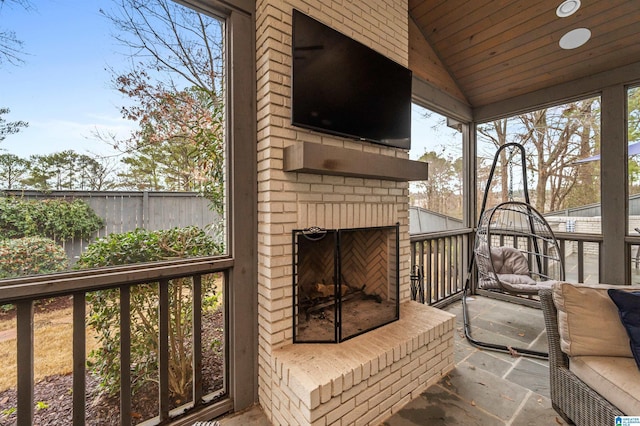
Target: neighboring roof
{"x": 422, "y": 221}
{"x": 593, "y": 210}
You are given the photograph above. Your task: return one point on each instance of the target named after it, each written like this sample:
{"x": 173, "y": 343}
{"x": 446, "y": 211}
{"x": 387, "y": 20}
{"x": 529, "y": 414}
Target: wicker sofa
{"x": 575, "y": 400}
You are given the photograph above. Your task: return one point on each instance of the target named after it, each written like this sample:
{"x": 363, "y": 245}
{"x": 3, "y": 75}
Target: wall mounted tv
{"x": 345, "y": 88}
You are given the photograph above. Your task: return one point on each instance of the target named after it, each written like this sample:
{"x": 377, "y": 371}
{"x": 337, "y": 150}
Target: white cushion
{"x": 588, "y": 320}
{"x": 617, "y": 379}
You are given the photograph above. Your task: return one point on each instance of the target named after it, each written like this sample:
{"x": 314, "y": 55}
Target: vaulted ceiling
{"x": 487, "y": 51}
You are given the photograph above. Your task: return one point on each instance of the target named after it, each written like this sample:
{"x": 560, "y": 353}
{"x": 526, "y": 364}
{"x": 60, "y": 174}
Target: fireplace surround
{"x": 345, "y": 282}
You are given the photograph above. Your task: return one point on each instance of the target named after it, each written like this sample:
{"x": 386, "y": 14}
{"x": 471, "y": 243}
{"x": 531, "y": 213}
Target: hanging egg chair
{"x": 516, "y": 251}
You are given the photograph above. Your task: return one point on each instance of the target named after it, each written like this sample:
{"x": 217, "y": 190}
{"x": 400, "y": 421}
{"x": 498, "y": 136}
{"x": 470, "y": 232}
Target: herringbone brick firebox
{"x": 345, "y": 282}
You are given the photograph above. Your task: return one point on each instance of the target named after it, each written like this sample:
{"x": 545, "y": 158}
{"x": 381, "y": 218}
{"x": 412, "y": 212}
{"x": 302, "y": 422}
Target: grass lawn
{"x": 53, "y": 344}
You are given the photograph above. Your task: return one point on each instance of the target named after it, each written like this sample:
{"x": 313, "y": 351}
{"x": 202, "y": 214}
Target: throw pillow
{"x": 628, "y": 303}
{"x": 582, "y": 333}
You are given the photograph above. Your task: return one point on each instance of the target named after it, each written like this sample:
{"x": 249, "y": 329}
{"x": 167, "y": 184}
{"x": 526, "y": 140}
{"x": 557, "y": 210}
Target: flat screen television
{"x": 345, "y": 88}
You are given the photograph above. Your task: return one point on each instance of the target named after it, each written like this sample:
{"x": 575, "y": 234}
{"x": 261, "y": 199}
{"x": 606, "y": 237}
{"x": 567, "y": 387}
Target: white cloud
{"x": 45, "y": 137}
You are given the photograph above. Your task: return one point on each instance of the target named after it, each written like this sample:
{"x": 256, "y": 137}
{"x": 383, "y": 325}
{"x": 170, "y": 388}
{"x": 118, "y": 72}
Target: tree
{"x": 559, "y": 136}
{"x": 68, "y": 170}
{"x": 177, "y": 42}
{"x": 9, "y": 127}
{"x": 175, "y": 80}
{"x": 95, "y": 173}
{"x": 180, "y": 147}
{"x": 12, "y": 169}
{"x": 554, "y": 139}
{"x": 143, "y": 170}
{"x": 496, "y": 133}
{"x": 10, "y": 44}
{"x": 633, "y": 135}
{"x": 443, "y": 189}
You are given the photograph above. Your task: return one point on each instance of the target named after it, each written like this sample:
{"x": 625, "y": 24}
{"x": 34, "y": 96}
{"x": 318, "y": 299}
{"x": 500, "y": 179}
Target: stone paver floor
{"x": 485, "y": 388}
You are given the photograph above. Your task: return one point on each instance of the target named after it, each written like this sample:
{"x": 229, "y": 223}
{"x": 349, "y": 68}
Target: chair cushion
{"x": 523, "y": 284}
{"x": 615, "y": 378}
{"x": 628, "y": 304}
{"x": 509, "y": 260}
{"x": 588, "y": 320}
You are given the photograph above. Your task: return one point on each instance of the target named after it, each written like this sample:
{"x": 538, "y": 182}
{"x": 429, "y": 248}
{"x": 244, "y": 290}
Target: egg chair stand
{"x": 515, "y": 252}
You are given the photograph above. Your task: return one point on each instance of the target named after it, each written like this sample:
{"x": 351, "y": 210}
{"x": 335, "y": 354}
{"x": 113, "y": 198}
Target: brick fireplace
{"x": 307, "y": 179}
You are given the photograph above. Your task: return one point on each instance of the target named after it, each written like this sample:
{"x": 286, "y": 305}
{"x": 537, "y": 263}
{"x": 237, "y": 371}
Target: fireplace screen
{"x": 345, "y": 282}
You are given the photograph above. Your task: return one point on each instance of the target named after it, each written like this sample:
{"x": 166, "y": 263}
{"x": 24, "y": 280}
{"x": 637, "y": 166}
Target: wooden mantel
{"x": 307, "y": 157}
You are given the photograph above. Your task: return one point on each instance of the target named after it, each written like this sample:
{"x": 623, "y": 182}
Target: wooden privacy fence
{"x": 124, "y": 211}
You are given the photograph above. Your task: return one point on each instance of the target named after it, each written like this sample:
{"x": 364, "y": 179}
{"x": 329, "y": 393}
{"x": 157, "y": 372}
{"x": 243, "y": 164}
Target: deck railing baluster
{"x": 125, "y": 355}
{"x": 580, "y": 261}
{"x": 197, "y": 340}
{"x": 163, "y": 349}
{"x": 24, "y": 318}
{"x": 79, "y": 358}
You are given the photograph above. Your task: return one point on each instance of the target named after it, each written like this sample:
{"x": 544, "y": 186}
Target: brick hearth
{"x": 366, "y": 379}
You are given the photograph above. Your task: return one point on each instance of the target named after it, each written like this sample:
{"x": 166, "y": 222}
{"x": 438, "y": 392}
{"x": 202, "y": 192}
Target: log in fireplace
{"x": 345, "y": 282}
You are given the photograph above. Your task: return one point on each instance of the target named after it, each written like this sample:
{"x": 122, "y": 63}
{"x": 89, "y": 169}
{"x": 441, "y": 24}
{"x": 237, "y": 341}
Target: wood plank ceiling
{"x": 493, "y": 50}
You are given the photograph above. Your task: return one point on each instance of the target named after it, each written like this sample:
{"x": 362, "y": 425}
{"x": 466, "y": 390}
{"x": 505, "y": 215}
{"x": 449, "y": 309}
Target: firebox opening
{"x": 345, "y": 282}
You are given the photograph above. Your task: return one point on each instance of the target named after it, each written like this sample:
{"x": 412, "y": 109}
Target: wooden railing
{"x": 24, "y": 292}
{"x": 439, "y": 265}
{"x": 439, "y": 261}
{"x": 582, "y": 254}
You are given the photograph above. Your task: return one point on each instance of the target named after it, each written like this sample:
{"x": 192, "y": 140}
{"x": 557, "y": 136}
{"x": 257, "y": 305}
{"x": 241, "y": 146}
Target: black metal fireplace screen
{"x": 345, "y": 282}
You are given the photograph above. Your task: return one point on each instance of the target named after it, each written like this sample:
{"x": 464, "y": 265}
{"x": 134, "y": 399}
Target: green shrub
{"x": 31, "y": 255}
{"x": 104, "y": 316}
{"x": 57, "y": 219}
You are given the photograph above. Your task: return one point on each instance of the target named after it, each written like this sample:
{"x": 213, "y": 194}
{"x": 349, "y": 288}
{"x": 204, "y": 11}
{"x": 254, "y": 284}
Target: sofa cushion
{"x": 617, "y": 379}
{"x": 588, "y": 320}
{"x": 628, "y": 304}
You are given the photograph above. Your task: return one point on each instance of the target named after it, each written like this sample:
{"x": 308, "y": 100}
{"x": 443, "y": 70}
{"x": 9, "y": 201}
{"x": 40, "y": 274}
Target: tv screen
{"x": 343, "y": 87}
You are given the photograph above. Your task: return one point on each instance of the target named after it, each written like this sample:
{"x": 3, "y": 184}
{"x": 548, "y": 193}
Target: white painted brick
{"x": 388, "y": 381}
{"x": 355, "y": 414}
{"x": 367, "y": 394}
{"x": 283, "y": 193}
{"x": 368, "y": 417}
{"x": 336, "y": 386}
{"x": 354, "y": 392}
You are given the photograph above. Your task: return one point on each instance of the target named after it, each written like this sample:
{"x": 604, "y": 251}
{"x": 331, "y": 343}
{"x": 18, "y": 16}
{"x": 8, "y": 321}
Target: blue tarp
{"x": 634, "y": 149}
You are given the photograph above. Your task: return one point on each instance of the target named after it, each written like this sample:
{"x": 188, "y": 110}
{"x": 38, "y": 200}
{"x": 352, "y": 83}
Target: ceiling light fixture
{"x": 567, "y": 8}
{"x": 575, "y": 38}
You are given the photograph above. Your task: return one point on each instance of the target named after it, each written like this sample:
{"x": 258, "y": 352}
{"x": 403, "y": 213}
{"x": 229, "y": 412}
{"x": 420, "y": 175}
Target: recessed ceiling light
{"x": 567, "y": 8}
{"x": 575, "y": 38}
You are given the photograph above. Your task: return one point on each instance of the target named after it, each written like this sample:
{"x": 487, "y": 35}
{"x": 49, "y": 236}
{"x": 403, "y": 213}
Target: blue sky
{"x": 62, "y": 90}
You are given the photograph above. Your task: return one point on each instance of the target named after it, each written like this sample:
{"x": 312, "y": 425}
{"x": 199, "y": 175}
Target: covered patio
{"x": 472, "y": 62}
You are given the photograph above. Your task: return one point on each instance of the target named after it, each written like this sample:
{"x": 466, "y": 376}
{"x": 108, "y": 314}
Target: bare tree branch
{"x": 11, "y": 47}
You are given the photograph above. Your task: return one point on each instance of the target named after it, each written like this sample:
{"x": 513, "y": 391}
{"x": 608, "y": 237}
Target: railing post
{"x": 24, "y": 319}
